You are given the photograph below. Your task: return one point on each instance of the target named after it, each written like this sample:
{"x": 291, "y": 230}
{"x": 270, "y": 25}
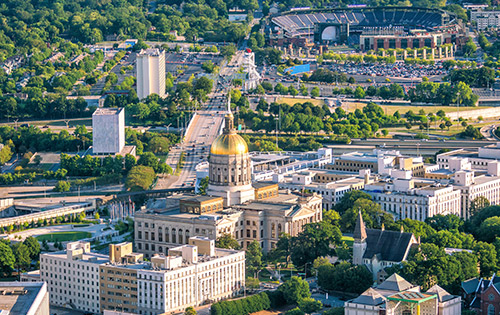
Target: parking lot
{"x": 187, "y": 64}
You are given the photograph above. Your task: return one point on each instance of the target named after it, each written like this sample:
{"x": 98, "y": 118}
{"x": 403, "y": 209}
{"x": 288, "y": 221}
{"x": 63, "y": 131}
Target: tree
{"x": 315, "y": 92}
{"x": 469, "y": 48}
{"x": 359, "y": 92}
{"x": 478, "y": 204}
{"x": 344, "y": 277}
{"x": 254, "y": 258}
{"x": 33, "y": 247}
{"x": 487, "y": 257}
{"x": 190, "y": 311}
{"x": 148, "y": 159}
{"x": 62, "y": 186}
{"x": 295, "y": 290}
{"x": 202, "y": 188}
{"x": 314, "y": 241}
{"x": 348, "y": 199}
{"x": 97, "y": 216}
{"x": 7, "y": 259}
{"x": 295, "y": 311}
{"x": 22, "y": 255}
{"x": 445, "y": 222}
{"x": 227, "y": 241}
{"x": 310, "y": 305}
{"x": 140, "y": 178}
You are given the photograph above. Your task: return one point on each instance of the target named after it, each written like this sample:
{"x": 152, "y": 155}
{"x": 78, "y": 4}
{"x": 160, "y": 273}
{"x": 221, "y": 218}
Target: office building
{"x": 190, "y": 275}
{"x": 150, "y": 66}
{"x": 72, "y": 276}
{"x": 485, "y": 19}
{"x": 400, "y": 197}
{"x": 108, "y": 131}
{"x": 330, "y": 185}
{"x": 378, "y": 162}
{"x": 21, "y": 298}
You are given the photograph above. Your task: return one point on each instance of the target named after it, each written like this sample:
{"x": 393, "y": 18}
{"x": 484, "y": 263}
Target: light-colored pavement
{"x": 92, "y": 229}
{"x": 488, "y": 132}
{"x": 204, "y": 128}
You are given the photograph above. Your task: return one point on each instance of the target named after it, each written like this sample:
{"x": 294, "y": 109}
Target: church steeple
{"x": 359, "y": 229}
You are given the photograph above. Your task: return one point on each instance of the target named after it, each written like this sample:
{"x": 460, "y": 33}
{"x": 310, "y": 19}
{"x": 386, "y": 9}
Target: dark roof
{"x": 470, "y": 286}
{"x": 359, "y": 229}
{"x": 442, "y": 294}
{"x": 389, "y": 245}
{"x": 395, "y": 283}
{"x": 370, "y": 297}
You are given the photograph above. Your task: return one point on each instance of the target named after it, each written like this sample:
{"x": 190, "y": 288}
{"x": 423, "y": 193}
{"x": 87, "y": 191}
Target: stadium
{"x": 368, "y": 28}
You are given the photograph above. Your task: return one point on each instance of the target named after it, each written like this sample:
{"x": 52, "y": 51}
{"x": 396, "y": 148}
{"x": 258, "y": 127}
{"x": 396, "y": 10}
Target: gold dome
{"x": 229, "y": 144}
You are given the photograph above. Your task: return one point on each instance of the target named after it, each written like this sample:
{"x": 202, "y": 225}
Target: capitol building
{"x": 234, "y": 205}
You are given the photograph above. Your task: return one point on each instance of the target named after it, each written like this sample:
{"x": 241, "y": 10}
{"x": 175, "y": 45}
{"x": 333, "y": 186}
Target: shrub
{"x": 251, "y": 304}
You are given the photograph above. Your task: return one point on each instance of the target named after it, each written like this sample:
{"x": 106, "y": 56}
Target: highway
{"x": 410, "y": 147}
{"x": 204, "y": 128}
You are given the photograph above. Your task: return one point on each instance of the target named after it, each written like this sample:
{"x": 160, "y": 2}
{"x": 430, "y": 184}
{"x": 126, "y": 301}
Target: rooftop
{"x": 19, "y": 297}
{"x": 94, "y": 258}
{"x": 107, "y": 111}
{"x": 412, "y": 297}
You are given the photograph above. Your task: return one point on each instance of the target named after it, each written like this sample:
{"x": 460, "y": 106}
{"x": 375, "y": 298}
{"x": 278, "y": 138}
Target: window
{"x": 491, "y": 309}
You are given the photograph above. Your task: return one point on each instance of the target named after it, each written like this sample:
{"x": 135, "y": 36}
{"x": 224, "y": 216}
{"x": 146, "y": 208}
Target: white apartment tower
{"x": 108, "y": 130}
{"x": 150, "y": 73}
{"x": 72, "y": 276}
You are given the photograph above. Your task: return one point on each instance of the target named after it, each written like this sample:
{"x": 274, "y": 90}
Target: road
{"x": 488, "y": 132}
{"x": 204, "y": 128}
{"x": 411, "y": 147}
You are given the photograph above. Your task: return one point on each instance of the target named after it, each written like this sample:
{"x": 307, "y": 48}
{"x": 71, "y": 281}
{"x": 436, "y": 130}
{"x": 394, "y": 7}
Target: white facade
{"x": 72, "y": 277}
{"x": 415, "y": 203}
{"x": 252, "y": 75}
{"x": 150, "y": 73}
{"x": 487, "y": 186}
{"x": 210, "y": 278}
{"x": 486, "y": 19}
{"x": 108, "y": 130}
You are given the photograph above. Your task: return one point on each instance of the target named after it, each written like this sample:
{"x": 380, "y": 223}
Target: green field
{"x": 64, "y": 236}
{"x": 391, "y": 109}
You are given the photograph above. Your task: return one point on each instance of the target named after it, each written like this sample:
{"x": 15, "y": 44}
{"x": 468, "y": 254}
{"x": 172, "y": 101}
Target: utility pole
{"x": 277, "y": 147}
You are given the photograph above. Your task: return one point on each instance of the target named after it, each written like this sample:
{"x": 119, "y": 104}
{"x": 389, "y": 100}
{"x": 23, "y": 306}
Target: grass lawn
{"x": 64, "y": 236}
{"x": 391, "y": 109}
{"x": 348, "y": 240}
{"x": 292, "y": 101}
{"x": 72, "y": 122}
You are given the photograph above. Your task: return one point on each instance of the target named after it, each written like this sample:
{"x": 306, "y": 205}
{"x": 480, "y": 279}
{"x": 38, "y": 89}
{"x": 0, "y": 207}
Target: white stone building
{"x": 72, "y": 276}
{"x": 253, "y": 77}
{"x": 190, "y": 275}
{"x": 485, "y": 19}
{"x": 150, "y": 68}
{"x": 401, "y": 198}
{"x": 108, "y": 131}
